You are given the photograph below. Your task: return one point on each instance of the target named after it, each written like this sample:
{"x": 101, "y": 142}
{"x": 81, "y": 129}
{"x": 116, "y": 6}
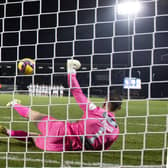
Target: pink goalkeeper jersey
{"x": 97, "y": 128}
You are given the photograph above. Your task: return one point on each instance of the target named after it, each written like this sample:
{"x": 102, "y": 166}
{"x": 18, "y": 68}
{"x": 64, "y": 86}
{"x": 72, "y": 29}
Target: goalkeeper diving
{"x": 96, "y": 130}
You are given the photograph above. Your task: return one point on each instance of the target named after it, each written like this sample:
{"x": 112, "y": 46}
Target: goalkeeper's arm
{"x": 81, "y": 99}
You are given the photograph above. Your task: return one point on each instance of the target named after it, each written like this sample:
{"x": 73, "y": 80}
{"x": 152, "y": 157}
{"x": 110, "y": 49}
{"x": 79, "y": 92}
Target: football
{"x": 26, "y": 66}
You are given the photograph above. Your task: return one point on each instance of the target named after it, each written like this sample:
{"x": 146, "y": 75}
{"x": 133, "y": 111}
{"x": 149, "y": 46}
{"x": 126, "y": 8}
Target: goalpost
{"x": 110, "y": 47}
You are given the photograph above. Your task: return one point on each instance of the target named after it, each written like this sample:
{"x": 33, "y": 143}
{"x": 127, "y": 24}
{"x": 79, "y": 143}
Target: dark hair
{"x": 115, "y": 100}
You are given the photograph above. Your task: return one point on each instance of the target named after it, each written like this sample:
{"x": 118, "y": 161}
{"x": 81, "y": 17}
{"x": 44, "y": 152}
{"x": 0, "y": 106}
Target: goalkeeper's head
{"x": 114, "y": 102}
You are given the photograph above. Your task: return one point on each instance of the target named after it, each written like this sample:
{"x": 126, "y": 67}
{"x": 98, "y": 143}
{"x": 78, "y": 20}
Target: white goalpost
{"x": 113, "y": 46}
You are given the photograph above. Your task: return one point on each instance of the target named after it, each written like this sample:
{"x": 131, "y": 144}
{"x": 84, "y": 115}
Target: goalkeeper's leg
{"x": 25, "y": 111}
{"x": 18, "y": 134}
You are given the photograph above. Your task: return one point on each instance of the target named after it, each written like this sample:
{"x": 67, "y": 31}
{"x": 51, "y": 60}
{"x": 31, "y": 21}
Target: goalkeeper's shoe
{"x": 13, "y": 102}
{"x": 3, "y": 130}
{"x": 73, "y": 65}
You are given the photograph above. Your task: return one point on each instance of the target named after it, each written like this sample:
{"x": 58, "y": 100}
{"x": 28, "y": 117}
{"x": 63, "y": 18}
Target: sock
{"x": 20, "y": 134}
{"x": 22, "y": 110}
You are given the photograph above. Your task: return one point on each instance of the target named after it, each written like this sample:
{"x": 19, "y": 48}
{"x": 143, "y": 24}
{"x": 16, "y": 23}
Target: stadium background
{"x": 110, "y": 47}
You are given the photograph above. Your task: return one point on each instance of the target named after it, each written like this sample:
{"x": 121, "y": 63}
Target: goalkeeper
{"x": 96, "y": 130}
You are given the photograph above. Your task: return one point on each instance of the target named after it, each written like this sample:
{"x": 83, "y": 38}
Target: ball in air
{"x": 26, "y": 66}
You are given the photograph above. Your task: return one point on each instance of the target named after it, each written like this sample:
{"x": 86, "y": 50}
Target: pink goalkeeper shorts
{"x": 52, "y": 133}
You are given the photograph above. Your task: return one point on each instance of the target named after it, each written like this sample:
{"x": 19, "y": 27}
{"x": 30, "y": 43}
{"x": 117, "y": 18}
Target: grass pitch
{"x": 143, "y": 138}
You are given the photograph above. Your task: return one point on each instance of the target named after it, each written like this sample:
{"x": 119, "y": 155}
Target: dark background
{"x": 110, "y": 47}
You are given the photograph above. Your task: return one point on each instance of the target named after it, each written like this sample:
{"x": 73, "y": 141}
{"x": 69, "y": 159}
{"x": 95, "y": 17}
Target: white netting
{"x": 110, "y": 47}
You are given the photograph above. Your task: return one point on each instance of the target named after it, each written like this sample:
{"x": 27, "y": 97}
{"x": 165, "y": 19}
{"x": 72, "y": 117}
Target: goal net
{"x": 112, "y": 48}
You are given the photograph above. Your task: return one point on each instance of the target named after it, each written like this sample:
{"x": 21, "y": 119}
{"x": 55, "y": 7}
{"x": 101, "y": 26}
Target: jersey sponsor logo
{"x": 106, "y": 126}
{"x": 100, "y": 131}
{"x": 109, "y": 122}
{"x": 92, "y": 106}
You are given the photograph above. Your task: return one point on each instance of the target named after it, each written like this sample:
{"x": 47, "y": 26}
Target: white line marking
{"x": 68, "y": 163}
{"x": 58, "y": 162}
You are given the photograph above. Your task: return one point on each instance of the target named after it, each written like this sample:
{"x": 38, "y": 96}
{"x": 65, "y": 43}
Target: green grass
{"x": 137, "y": 132}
